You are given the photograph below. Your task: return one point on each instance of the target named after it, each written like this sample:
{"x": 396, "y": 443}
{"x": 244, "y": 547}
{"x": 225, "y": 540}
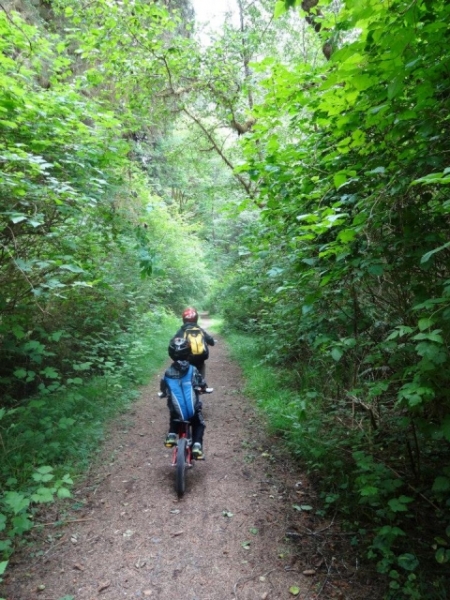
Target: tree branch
{"x": 245, "y": 184}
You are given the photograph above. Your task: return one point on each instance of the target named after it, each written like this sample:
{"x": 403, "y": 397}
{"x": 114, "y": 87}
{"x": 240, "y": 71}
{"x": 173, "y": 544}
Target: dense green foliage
{"x": 347, "y": 275}
{"x": 51, "y": 438}
{"x": 89, "y": 255}
{"x": 300, "y": 162}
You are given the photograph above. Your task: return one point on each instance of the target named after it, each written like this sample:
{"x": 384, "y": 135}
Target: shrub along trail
{"x": 235, "y": 534}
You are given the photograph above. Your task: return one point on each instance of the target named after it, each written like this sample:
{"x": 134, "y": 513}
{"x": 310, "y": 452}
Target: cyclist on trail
{"x": 180, "y": 384}
{"x": 198, "y": 338}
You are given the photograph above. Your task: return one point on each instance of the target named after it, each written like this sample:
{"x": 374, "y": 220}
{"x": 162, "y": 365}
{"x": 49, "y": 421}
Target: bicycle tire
{"x": 180, "y": 479}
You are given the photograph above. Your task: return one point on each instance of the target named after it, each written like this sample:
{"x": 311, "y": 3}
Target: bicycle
{"x": 182, "y": 458}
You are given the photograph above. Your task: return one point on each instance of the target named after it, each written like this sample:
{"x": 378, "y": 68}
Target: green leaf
{"x": 339, "y": 179}
{"x": 18, "y": 332}
{"x": 347, "y": 235}
{"x": 42, "y": 495}
{"x": 20, "y": 373}
{"x": 21, "y": 524}
{"x": 336, "y": 353}
{"x": 425, "y": 323}
{"x": 441, "y": 484}
{"x": 431, "y": 352}
{"x": 50, "y": 372}
{"x": 43, "y": 474}
{"x": 63, "y": 493}
{"x": 280, "y": 8}
{"x": 433, "y": 178}
{"x": 400, "y": 331}
{"x": 72, "y": 268}
{"x": 5, "y": 546}
{"x": 408, "y": 562}
{"x": 34, "y": 223}
{"x": 56, "y": 336}
{"x": 396, "y": 86}
{"x": 294, "y": 590}
{"x": 44, "y": 469}
{"x": 433, "y": 336}
{"x": 399, "y": 504}
{"x": 18, "y": 218}
{"x": 376, "y": 269}
{"x": 442, "y": 556}
{"x": 16, "y": 501}
{"x": 426, "y": 257}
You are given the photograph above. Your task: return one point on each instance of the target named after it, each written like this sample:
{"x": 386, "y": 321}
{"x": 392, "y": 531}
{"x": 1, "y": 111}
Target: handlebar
{"x": 207, "y": 390}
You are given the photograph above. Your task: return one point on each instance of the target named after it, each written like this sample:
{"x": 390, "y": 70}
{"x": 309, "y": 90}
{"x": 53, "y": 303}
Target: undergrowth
{"x": 400, "y": 518}
{"x": 50, "y": 439}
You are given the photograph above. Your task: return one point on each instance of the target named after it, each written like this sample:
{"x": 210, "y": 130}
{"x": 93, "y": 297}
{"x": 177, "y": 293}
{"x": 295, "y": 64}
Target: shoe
{"x": 171, "y": 440}
{"x": 197, "y": 451}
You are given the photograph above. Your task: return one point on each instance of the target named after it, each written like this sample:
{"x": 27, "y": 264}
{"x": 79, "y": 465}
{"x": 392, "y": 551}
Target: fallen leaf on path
{"x": 294, "y": 590}
{"x": 128, "y": 533}
{"x": 78, "y": 567}
{"x": 309, "y": 572}
{"x": 177, "y": 533}
{"x": 301, "y": 507}
{"x": 103, "y": 586}
{"x": 140, "y": 564}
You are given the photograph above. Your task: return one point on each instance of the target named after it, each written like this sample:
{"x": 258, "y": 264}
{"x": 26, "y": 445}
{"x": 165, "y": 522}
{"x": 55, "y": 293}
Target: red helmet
{"x": 190, "y": 315}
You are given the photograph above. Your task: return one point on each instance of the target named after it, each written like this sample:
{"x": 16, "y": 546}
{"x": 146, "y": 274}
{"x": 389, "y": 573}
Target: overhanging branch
{"x": 245, "y": 184}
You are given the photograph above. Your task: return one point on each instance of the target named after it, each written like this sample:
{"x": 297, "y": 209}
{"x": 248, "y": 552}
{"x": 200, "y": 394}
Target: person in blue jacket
{"x": 180, "y": 384}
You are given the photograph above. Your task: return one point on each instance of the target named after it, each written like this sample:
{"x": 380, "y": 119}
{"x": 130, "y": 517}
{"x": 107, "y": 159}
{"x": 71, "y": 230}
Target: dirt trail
{"x": 130, "y": 537}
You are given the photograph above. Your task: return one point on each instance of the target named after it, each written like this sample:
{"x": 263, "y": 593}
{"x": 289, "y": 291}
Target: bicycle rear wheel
{"x": 180, "y": 480}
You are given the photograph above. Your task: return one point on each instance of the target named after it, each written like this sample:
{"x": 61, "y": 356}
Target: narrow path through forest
{"x": 129, "y": 536}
